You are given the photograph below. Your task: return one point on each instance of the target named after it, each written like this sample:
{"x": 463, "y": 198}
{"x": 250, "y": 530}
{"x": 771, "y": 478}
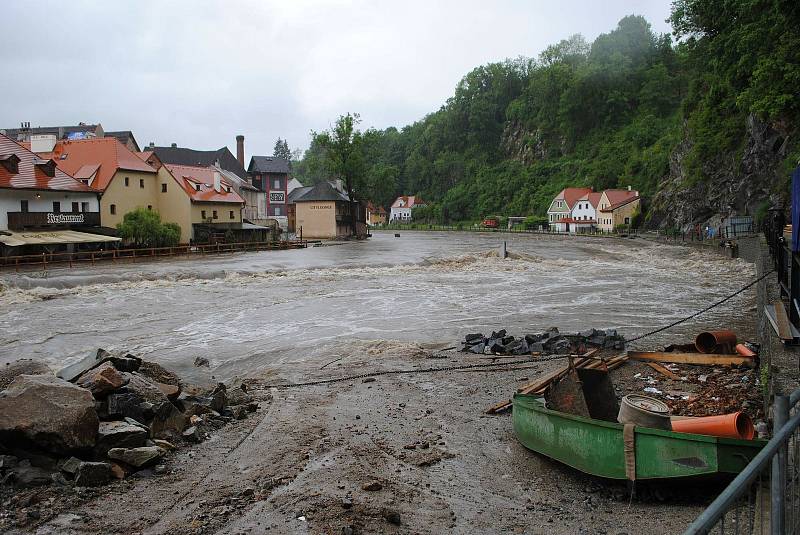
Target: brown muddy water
{"x": 297, "y": 309}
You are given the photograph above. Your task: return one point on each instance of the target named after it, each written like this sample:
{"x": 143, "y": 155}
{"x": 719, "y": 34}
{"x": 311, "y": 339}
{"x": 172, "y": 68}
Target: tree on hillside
{"x": 282, "y": 150}
{"x": 343, "y": 152}
{"x": 143, "y": 228}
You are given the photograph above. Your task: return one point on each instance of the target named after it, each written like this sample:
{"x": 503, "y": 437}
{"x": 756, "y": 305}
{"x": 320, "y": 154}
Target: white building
{"x": 584, "y": 213}
{"x": 559, "y": 215}
{"x": 402, "y": 207}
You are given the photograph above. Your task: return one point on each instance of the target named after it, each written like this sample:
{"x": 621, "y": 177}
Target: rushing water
{"x": 250, "y": 311}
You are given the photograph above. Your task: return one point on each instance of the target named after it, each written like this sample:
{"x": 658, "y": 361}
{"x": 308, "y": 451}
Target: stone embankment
{"x": 102, "y": 418}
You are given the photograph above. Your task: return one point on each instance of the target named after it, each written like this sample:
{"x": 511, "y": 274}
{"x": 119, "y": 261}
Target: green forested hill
{"x": 667, "y": 115}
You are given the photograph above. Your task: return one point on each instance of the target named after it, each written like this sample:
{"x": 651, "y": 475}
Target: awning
{"x": 52, "y": 237}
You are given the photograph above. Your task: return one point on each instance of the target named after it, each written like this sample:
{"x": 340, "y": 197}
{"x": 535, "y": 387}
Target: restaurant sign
{"x": 277, "y": 197}
{"x": 60, "y": 219}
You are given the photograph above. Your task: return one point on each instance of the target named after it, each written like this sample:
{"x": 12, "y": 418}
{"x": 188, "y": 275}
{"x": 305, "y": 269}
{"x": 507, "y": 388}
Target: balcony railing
{"x": 19, "y": 220}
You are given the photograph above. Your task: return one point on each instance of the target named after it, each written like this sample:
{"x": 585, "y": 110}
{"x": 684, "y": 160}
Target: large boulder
{"x": 93, "y": 474}
{"x": 102, "y": 380}
{"x": 48, "y": 413}
{"x": 169, "y": 425}
{"x": 22, "y": 367}
{"x": 158, "y": 373}
{"x": 119, "y": 435}
{"x": 126, "y": 363}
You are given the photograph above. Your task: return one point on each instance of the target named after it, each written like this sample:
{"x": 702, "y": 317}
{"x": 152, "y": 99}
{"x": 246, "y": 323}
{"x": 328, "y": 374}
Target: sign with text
{"x": 60, "y": 219}
{"x": 278, "y": 197}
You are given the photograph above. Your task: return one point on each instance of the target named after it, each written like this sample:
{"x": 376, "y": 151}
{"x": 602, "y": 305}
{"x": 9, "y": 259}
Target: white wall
{"x": 10, "y": 202}
{"x": 400, "y": 214}
{"x": 583, "y": 210}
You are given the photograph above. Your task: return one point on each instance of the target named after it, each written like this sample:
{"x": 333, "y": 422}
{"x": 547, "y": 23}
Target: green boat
{"x": 597, "y": 447}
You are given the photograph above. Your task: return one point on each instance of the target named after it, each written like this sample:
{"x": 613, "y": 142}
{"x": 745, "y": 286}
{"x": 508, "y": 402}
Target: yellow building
{"x": 617, "y": 207}
{"x": 323, "y": 212}
{"x": 124, "y": 181}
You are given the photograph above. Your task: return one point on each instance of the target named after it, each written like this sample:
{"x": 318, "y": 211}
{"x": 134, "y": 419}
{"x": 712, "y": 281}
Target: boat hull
{"x": 596, "y": 447}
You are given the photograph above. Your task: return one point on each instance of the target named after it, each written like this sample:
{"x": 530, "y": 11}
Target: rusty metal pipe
{"x": 715, "y": 342}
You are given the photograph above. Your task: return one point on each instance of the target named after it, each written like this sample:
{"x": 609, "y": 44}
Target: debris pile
{"x": 550, "y": 342}
{"x": 102, "y": 418}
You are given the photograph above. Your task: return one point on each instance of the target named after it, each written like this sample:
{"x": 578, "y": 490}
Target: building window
{"x": 276, "y": 184}
{"x": 231, "y": 213}
{"x": 75, "y": 208}
{"x": 627, "y": 220}
{"x": 113, "y": 209}
{"x": 163, "y": 188}
{"x": 57, "y": 207}
{"x": 141, "y": 182}
{"x": 84, "y": 207}
{"x": 127, "y": 181}
{"x": 23, "y": 206}
{"x": 214, "y": 214}
{"x": 278, "y": 210}
{"x": 149, "y": 206}
{"x": 202, "y": 214}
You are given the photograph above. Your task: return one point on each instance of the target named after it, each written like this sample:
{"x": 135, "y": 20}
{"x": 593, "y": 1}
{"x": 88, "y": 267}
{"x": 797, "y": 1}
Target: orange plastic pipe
{"x": 744, "y": 351}
{"x": 715, "y": 342}
{"x": 734, "y": 425}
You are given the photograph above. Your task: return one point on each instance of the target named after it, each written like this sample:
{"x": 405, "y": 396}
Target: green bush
{"x": 143, "y": 228}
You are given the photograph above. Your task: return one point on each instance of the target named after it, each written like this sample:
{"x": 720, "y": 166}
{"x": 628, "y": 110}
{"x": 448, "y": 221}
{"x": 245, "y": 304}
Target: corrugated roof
{"x": 190, "y": 177}
{"x": 106, "y": 152}
{"x": 268, "y": 164}
{"x": 30, "y": 175}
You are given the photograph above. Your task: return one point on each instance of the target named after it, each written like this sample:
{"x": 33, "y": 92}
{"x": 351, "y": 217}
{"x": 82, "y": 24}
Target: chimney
{"x": 174, "y": 145}
{"x": 217, "y": 181}
{"x": 240, "y": 149}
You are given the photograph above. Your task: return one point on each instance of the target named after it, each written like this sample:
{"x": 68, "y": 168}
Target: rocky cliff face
{"x": 736, "y": 184}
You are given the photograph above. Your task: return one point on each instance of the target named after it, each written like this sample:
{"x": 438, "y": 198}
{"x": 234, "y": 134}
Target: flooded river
{"x": 249, "y": 312}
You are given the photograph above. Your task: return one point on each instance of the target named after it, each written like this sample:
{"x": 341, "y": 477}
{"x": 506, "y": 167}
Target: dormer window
{"x": 197, "y": 187}
{"x": 10, "y": 162}
{"x": 48, "y": 167}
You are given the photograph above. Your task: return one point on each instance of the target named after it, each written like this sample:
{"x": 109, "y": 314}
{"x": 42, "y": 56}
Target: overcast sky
{"x": 197, "y": 73}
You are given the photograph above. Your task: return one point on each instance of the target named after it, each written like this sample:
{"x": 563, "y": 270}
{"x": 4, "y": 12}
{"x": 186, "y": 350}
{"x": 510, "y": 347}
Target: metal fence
{"x": 765, "y": 496}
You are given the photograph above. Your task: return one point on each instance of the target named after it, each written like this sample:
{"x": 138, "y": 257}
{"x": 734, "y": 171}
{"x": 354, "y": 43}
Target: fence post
{"x": 780, "y": 415}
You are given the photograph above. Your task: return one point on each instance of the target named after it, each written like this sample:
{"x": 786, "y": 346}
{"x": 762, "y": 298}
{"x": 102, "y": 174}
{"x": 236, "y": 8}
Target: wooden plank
{"x": 664, "y": 371}
{"x": 707, "y": 359}
{"x": 540, "y": 385}
{"x": 782, "y": 321}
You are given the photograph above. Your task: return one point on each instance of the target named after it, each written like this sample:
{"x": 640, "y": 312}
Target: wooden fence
{"x": 44, "y": 260}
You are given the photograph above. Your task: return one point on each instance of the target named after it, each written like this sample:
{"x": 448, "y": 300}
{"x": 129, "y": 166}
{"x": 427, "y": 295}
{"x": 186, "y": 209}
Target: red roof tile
{"x": 616, "y": 196}
{"x": 571, "y": 195}
{"x": 619, "y": 204}
{"x": 31, "y": 176}
{"x": 189, "y": 177}
{"x": 410, "y": 201}
{"x": 107, "y": 152}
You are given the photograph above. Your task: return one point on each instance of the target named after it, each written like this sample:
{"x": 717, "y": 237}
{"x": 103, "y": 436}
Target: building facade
{"x": 559, "y": 214}
{"x": 324, "y": 212}
{"x": 617, "y": 207}
{"x": 402, "y": 208}
{"x": 376, "y": 215}
{"x": 271, "y": 176}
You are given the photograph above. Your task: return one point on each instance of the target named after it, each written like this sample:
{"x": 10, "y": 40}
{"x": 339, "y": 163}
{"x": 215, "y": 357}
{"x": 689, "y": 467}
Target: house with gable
{"x": 402, "y": 207}
{"x": 583, "y": 217}
{"x": 559, "y": 214}
{"x": 617, "y": 207}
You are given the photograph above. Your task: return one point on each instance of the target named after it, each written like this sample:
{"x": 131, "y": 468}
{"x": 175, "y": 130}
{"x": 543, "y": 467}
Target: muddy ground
{"x": 305, "y": 461}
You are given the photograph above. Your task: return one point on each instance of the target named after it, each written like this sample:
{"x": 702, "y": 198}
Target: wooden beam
{"x": 707, "y": 359}
{"x": 664, "y": 371}
{"x": 782, "y": 320}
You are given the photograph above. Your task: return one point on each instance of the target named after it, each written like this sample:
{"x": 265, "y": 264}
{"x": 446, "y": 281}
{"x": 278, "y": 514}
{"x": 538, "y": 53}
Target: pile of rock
{"x": 550, "y": 342}
{"x": 104, "y": 417}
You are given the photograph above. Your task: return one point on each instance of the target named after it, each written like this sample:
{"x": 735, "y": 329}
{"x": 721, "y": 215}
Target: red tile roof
{"x": 107, "y": 152}
{"x": 572, "y": 195}
{"x": 616, "y": 196}
{"x": 593, "y": 198}
{"x": 410, "y": 201}
{"x": 30, "y": 176}
{"x": 620, "y": 204}
{"x": 188, "y": 177}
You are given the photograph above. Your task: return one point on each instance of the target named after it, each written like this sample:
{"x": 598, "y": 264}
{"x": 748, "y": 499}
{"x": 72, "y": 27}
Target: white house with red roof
{"x": 402, "y": 208}
{"x": 35, "y": 194}
{"x": 559, "y": 215}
